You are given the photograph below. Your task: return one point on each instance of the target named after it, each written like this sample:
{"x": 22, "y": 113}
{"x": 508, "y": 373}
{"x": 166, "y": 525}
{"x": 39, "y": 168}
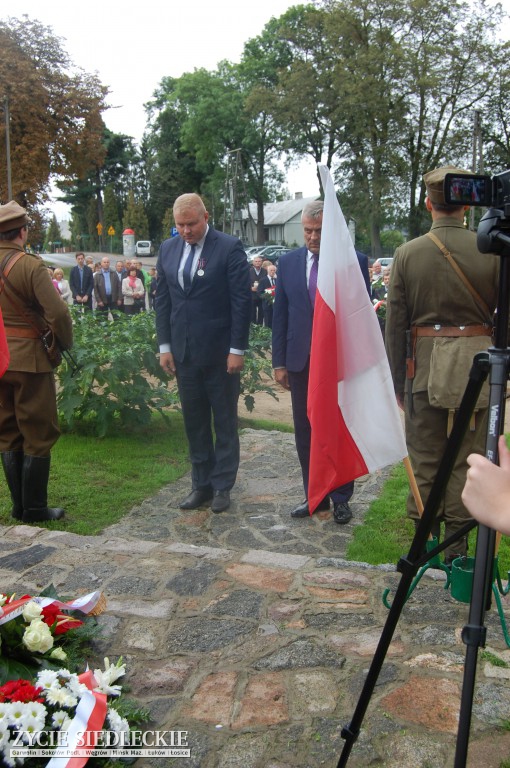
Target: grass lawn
{"x": 386, "y": 533}
{"x": 98, "y": 480}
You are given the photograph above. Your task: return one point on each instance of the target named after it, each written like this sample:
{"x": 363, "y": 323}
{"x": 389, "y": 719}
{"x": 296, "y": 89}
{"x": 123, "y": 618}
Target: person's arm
{"x": 486, "y": 493}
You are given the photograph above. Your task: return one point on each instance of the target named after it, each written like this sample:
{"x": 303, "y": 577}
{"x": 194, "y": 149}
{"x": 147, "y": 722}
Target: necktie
{"x": 186, "y": 275}
{"x": 312, "y": 280}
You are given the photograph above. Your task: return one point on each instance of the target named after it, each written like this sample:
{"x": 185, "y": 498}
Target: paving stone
{"x": 213, "y": 701}
{"x": 195, "y": 580}
{"x": 263, "y": 702}
{"x": 364, "y": 644}
{"x": 299, "y": 655}
{"x": 244, "y": 751}
{"x": 241, "y": 603}
{"x": 88, "y": 578}
{"x": 26, "y": 558}
{"x": 276, "y": 560}
{"x": 132, "y": 585}
{"x": 261, "y": 578}
{"x": 209, "y": 553}
{"x": 339, "y": 578}
{"x": 149, "y": 609}
{"x": 313, "y": 692}
{"x": 432, "y": 706}
{"x": 162, "y": 677}
{"x": 201, "y": 635}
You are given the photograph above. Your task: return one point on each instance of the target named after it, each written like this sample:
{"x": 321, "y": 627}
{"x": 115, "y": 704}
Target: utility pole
{"x": 8, "y": 147}
{"x": 477, "y": 159}
{"x": 235, "y": 195}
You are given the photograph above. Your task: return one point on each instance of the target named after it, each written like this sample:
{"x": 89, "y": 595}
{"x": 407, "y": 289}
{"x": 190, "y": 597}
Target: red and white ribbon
{"x": 87, "y": 724}
{"x": 85, "y": 604}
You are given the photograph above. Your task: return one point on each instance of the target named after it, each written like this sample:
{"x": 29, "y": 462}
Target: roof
{"x": 280, "y": 213}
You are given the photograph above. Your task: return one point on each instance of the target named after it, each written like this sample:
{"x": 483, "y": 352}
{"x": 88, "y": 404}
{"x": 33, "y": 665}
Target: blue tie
{"x": 186, "y": 275}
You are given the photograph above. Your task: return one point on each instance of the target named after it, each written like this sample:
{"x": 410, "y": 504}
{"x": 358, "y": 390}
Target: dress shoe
{"x": 303, "y": 510}
{"x": 221, "y": 501}
{"x": 196, "y": 498}
{"x": 342, "y": 512}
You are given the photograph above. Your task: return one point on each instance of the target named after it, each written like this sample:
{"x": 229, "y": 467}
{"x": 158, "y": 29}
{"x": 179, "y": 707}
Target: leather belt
{"x": 22, "y": 333}
{"x": 455, "y": 331}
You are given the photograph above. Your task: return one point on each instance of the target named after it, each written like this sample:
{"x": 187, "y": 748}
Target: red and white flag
{"x": 356, "y": 427}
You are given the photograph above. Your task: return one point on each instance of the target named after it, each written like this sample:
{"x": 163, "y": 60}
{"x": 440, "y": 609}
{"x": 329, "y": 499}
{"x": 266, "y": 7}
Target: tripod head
{"x": 493, "y": 234}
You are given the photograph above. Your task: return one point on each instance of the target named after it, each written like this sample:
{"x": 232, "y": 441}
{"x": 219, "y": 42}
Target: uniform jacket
{"x": 99, "y": 287}
{"x": 214, "y": 316}
{"x": 88, "y": 281}
{"x": 425, "y": 290}
{"x": 293, "y": 313}
{"x": 29, "y": 276}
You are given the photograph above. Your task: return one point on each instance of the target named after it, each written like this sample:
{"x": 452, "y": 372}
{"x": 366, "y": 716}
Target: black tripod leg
{"x": 408, "y": 566}
{"x": 473, "y": 634}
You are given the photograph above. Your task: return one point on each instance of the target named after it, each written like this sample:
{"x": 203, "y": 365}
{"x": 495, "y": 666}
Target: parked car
{"x": 144, "y": 248}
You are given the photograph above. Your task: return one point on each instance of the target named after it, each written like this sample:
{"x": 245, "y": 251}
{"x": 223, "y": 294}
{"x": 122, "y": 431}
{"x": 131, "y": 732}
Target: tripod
{"x": 494, "y": 363}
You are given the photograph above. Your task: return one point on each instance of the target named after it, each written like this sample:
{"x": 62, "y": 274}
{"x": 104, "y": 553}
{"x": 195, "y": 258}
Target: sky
{"x": 131, "y": 46}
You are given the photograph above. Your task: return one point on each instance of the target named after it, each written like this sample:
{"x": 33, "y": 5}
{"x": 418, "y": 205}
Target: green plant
{"x": 119, "y": 381}
{"x": 257, "y": 370}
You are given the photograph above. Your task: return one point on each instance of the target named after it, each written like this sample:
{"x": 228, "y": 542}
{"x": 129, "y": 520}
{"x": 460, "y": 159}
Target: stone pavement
{"x": 251, "y": 631}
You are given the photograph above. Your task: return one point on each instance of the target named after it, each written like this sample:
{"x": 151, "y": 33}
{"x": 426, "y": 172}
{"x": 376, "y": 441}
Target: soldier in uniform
{"x": 431, "y": 310}
{"x": 28, "y": 410}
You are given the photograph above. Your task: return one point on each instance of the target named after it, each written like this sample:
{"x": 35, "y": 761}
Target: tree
{"x": 136, "y": 218}
{"x": 111, "y": 209}
{"x": 55, "y": 110}
{"x": 53, "y": 235}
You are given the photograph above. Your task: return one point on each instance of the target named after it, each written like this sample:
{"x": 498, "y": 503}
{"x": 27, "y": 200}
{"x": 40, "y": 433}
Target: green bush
{"x": 119, "y": 382}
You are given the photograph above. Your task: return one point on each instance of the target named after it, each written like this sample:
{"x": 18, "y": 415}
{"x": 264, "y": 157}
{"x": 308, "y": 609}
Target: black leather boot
{"x": 36, "y": 473}
{"x": 12, "y": 462}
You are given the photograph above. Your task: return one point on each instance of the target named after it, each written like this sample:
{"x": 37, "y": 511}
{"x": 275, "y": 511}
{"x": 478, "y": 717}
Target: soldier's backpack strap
{"x": 474, "y": 293}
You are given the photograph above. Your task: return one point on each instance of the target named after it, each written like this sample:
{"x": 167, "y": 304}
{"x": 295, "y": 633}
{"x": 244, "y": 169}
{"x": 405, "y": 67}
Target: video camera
{"x": 475, "y": 189}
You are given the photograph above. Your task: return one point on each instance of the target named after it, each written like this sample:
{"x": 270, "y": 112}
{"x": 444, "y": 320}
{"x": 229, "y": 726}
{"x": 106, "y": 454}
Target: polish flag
{"x": 356, "y": 427}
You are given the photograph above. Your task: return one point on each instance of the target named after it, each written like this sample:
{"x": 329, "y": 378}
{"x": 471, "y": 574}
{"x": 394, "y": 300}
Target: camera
{"x": 476, "y": 189}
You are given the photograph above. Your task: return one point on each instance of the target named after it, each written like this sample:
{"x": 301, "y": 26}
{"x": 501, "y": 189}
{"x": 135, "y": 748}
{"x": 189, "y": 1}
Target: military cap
{"x": 434, "y": 182}
{"x": 12, "y": 216}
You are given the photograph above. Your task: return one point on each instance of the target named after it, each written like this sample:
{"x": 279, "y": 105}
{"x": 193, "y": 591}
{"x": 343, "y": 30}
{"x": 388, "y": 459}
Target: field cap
{"x": 12, "y": 216}
{"x": 434, "y": 182}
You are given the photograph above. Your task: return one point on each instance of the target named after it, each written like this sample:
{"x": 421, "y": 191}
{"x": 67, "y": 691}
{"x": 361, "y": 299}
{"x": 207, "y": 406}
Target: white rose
{"x": 31, "y": 611}
{"x": 37, "y": 637}
{"x": 3, "y": 599}
{"x": 59, "y": 654}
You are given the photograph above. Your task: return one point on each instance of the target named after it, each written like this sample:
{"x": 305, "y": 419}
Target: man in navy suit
{"x": 292, "y": 339}
{"x": 203, "y": 310}
{"x": 81, "y": 282}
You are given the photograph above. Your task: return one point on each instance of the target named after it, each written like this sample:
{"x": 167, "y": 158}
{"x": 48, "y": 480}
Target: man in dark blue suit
{"x": 203, "y": 310}
{"x": 292, "y": 339}
{"x": 81, "y": 282}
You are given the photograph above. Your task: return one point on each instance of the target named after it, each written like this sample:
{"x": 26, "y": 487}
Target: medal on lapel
{"x": 201, "y": 267}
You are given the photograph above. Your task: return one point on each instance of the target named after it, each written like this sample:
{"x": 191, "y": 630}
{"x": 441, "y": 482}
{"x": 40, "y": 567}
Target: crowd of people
{"x": 95, "y": 286}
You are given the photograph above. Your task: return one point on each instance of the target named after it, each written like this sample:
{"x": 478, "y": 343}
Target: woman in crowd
{"x": 62, "y": 285}
{"x": 133, "y": 292}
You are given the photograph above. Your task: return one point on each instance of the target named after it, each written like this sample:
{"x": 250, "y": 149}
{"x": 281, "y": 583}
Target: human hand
{"x": 166, "y": 361}
{"x": 281, "y": 376}
{"x": 486, "y": 493}
{"x": 235, "y": 363}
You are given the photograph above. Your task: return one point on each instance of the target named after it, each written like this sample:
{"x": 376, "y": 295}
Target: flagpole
{"x": 414, "y": 488}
